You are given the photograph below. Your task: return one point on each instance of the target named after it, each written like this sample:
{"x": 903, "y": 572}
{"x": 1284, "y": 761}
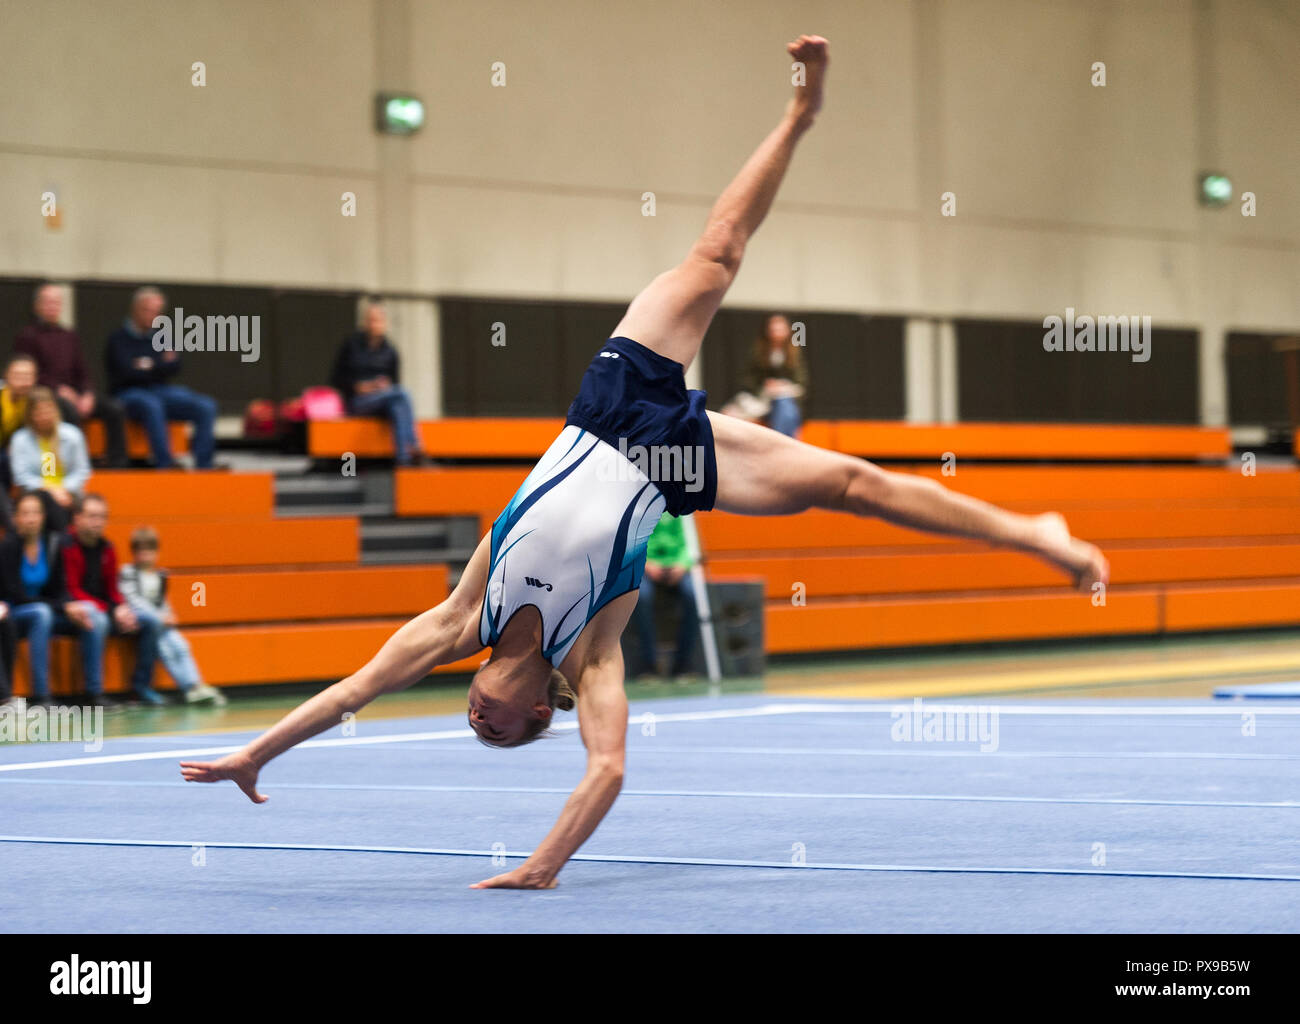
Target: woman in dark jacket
{"x": 777, "y": 373}
{"x": 366, "y": 373}
{"x": 33, "y": 588}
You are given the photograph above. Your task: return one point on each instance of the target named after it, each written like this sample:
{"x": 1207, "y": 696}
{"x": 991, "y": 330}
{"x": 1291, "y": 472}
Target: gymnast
{"x": 553, "y": 583}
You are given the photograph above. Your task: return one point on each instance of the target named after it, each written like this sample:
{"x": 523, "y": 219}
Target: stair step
{"x": 317, "y": 483}
{"x": 364, "y": 510}
{"x": 454, "y": 558}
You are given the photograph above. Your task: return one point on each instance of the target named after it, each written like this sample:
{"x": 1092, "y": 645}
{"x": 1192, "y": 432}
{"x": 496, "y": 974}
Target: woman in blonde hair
{"x": 553, "y": 583}
{"x": 778, "y": 375}
{"x": 50, "y": 457}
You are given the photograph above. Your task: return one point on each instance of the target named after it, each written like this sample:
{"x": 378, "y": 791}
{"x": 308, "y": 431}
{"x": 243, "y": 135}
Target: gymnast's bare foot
{"x": 813, "y": 52}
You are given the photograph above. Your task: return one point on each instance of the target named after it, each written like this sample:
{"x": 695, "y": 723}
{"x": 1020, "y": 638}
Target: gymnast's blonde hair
{"x": 559, "y": 694}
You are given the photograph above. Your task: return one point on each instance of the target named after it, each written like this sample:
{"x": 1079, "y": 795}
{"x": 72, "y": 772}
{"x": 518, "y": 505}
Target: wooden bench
{"x": 229, "y": 543}
{"x": 153, "y": 495}
{"x": 137, "y": 441}
{"x": 528, "y": 438}
{"x": 284, "y": 595}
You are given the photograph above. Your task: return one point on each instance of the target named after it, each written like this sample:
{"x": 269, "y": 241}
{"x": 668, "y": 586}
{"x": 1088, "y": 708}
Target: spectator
{"x": 91, "y": 566}
{"x": 138, "y": 376}
{"x": 144, "y": 586}
{"x": 667, "y": 564}
{"x": 49, "y": 456}
{"x": 8, "y": 642}
{"x": 366, "y": 373}
{"x": 34, "y": 592}
{"x": 20, "y": 378}
{"x": 778, "y": 374}
{"x": 61, "y": 368}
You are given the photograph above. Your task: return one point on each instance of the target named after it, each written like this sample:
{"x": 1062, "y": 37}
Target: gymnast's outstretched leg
{"x": 761, "y": 472}
{"x": 671, "y": 314}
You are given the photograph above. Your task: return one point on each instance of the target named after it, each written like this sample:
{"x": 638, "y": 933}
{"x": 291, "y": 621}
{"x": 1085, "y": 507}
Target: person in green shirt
{"x": 667, "y": 564}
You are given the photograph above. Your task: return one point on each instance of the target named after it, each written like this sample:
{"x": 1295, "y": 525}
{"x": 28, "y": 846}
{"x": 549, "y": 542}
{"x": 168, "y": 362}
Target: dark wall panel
{"x": 536, "y": 372}
{"x": 16, "y": 295}
{"x": 519, "y": 378}
{"x": 1005, "y": 374}
{"x": 1262, "y": 381}
{"x": 855, "y": 363}
{"x": 308, "y": 328}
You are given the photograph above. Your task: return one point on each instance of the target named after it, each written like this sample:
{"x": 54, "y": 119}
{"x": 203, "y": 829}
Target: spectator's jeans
{"x": 784, "y": 417}
{"x": 111, "y": 412}
{"x": 173, "y": 650}
{"x": 154, "y": 406}
{"x": 8, "y": 642}
{"x": 92, "y": 642}
{"x": 686, "y": 630}
{"x": 395, "y": 404}
{"x": 37, "y": 622}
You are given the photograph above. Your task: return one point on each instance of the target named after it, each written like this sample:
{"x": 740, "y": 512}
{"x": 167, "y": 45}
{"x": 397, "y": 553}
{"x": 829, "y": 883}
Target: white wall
{"x": 1067, "y": 194}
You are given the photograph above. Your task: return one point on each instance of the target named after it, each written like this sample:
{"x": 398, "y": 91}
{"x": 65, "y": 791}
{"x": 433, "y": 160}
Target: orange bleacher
{"x": 1192, "y": 547}
{"x": 137, "y": 441}
{"x": 262, "y": 599}
{"x": 528, "y": 438}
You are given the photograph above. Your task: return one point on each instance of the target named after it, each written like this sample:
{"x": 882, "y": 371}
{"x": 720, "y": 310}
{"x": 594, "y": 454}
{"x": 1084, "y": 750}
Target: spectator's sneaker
{"x": 203, "y": 692}
{"x": 99, "y": 700}
{"x": 148, "y": 696}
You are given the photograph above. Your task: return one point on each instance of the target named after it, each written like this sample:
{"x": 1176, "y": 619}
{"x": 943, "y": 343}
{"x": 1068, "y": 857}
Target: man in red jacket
{"x": 91, "y": 566}
{"x": 62, "y": 369}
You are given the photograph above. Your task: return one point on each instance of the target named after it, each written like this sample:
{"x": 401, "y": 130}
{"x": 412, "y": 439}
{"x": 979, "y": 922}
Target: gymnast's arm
{"x": 602, "y": 721}
{"x": 443, "y": 634}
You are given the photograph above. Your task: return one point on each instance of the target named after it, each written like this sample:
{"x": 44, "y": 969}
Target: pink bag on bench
{"x": 322, "y": 403}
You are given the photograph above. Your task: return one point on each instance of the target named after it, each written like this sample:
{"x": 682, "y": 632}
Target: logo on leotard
{"x": 536, "y": 583}
{"x": 609, "y": 355}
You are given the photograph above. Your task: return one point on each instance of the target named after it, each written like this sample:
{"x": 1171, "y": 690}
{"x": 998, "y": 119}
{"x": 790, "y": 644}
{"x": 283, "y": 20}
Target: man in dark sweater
{"x": 62, "y": 368}
{"x": 366, "y": 373}
{"x": 138, "y": 377}
{"x": 91, "y": 566}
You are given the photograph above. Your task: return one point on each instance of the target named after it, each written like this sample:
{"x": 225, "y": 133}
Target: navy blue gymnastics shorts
{"x": 635, "y": 400}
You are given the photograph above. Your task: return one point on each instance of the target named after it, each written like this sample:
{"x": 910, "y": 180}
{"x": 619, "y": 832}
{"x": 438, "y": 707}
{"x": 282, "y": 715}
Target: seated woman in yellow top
{"x": 19, "y": 379}
{"x": 49, "y": 456}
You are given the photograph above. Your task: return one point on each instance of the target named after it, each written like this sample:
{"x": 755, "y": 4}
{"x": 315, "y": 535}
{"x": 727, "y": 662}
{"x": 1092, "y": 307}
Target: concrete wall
{"x": 1067, "y": 194}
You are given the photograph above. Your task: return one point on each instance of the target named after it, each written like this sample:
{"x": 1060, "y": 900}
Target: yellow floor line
{"x": 1053, "y": 678}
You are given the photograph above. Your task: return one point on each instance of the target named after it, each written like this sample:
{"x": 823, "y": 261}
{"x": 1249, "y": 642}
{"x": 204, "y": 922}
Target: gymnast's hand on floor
{"x": 522, "y": 877}
{"x": 238, "y": 768}
{"x": 1083, "y": 561}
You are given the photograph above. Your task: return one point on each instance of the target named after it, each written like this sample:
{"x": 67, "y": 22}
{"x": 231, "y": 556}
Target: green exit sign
{"x": 398, "y": 113}
{"x": 1216, "y": 189}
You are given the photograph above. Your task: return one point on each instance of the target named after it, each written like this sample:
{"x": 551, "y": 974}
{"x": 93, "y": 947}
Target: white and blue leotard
{"x": 571, "y": 540}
